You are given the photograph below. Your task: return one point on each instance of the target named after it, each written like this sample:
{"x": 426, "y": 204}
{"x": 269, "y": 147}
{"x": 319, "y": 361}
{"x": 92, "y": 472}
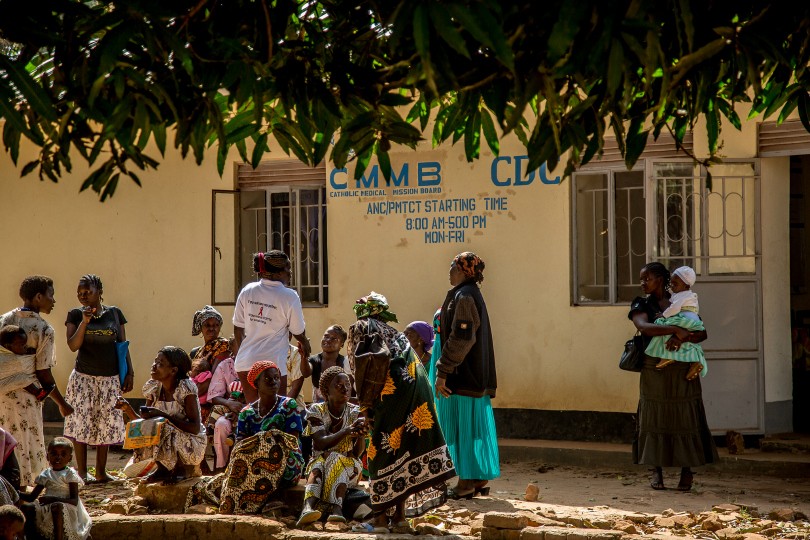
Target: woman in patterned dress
{"x": 338, "y": 440}
{"x": 172, "y": 395}
{"x": 95, "y": 384}
{"x": 408, "y": 459}
{"x": 267, "y": 455}
{"x": 20, "y": 412}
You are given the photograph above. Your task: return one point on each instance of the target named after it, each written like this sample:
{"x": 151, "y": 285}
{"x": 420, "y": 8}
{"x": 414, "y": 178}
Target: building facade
{"x": 562, "y": 258}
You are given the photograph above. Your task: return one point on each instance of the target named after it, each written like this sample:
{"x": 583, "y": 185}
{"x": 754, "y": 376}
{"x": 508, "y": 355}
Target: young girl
{"x": 60, "y": 513}
{"x": 331, "y": 343}
{"x": 682, "y": 312}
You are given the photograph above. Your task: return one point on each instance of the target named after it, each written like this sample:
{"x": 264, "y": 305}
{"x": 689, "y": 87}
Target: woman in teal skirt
{"x": 462, "y": 370}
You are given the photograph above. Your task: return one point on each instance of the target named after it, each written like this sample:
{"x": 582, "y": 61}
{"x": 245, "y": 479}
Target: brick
{"x": 725, "y": 507}
{"x": 683, "y": 521}
{"x": 782, "y": 514}
{"x": 532, "y": 533}
{"x": 729, "y": 533}
{"x": 625, "y": 526}
{"x": 640, "y": 519}
{"x": 711, "y": 523}
{"x": 532, "y": 493}
{"x": 491, "y": 533}
{"x": 504, "y": 520}
{"x": 662, "y": 521}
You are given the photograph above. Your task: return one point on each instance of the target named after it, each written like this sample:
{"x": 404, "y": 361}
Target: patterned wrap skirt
{"x": 95, "y": 420}
{"x": 21, "y": 415}
{"x": 335, "y": 469}
{"x": 671, "y": 428}
{"x": 408, "y": 459}
{"x": 260, "y": 465}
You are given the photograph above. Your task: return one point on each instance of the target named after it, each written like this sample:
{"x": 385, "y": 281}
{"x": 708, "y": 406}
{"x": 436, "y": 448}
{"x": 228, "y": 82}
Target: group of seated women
{"x": 265, "y": 450}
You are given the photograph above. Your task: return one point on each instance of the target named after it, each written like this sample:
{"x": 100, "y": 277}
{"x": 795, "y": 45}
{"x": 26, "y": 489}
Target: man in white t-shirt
{"x": 266, "y": 312}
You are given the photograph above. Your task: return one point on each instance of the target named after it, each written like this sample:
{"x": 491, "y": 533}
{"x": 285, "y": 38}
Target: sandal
{"x": 456, "y": 495}
{"x": 657, "y": 479}
{"x": 309, "y": 517}
{"x": 481, "y": 488}
{"x": 685, "y": 484}
{"x": 366, "y": 527}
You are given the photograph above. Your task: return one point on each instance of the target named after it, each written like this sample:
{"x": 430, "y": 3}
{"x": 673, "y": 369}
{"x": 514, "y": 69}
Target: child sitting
{"x": 201, "y": 375}
{"x": 682, "y": 312}
{"x": 225, "y": 424}
{"x": 12, "y": 373}
{"x": 59, "y": 513}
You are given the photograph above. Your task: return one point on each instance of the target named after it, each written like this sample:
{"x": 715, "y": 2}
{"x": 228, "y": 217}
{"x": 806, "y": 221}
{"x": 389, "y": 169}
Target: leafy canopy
{"x": 334, "y": 78}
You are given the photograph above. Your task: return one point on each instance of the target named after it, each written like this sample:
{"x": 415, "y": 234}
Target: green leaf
{"x": 29, "y": 168}
{"x": 479, "y": 22}
{"x": 446, "y": 29}
{"x": 472, "y": 136}
{"x": 109, "y": 188}
{"x": 565, "y": 29}
{"x": 712, "y": 126}
{"x": 385, "y": 164}
{"x": 15, "y": 119}
{"x": 33, "y": 93}
{"x": 804, "y": 110}
{"x": 258, "y": 150}
{"x": 616, "y": 67}
{"x": 490, "y": 134}
{"x": 159, "y": 132}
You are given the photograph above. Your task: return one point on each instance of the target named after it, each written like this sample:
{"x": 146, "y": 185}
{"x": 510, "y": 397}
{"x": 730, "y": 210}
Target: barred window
{"x": 608, "y": 235}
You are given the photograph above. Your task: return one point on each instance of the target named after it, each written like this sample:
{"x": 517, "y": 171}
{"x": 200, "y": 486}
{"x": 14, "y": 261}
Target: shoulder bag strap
{"x": 117, "y": 323}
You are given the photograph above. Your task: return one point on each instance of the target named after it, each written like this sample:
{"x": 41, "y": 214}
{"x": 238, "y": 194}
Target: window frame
{"x": 610, "y": 170}
{"x": 279, "y": 187}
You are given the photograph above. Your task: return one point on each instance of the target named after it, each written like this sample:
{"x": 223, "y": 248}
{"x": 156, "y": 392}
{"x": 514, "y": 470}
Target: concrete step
{"x": 788, "y": 443}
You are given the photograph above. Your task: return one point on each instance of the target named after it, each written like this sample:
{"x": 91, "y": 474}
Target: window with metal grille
{"x": 608, "y": 235}
{"x": 293, "y": 220}
{"x": 281, "y": 204}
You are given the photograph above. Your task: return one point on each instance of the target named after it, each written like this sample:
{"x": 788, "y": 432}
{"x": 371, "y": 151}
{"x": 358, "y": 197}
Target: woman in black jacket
{"x": 466, "y": 381}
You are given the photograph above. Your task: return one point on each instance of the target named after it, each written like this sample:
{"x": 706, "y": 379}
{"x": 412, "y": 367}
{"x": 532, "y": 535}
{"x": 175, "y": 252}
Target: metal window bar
{"x": 689, "y": 240}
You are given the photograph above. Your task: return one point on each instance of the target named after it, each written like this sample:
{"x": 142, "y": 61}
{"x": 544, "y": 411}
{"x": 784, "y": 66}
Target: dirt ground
{"x": 572, "y": 489}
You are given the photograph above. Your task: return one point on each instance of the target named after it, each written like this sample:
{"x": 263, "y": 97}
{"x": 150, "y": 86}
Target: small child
{"x": 225, "y": 425}
{"x": 201, "y": 375}
{"x": 15, "y": 340}
{"x": 682, "y": 312}
{"x": 12, "y": 522}
{"x": 59, "y": 513}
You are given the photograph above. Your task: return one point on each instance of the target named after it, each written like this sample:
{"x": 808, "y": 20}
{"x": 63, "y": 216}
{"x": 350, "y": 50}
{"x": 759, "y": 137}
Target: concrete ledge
{"x": 199, "y": 527}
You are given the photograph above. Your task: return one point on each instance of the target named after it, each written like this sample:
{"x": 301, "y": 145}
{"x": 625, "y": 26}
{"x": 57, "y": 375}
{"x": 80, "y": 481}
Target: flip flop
{"x": 308, "y": 517}
{"x": 369, "y": 528}
{"x": 685, "y": 483}
{"x": 657, "y": 480}
{"x": 336, "y": 518}
{"x": 455, "y": 495}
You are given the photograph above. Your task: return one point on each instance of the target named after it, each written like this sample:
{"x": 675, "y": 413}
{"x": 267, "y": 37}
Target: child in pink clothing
{"x": 224, "y": 426}
{"x": 200, "y": 373}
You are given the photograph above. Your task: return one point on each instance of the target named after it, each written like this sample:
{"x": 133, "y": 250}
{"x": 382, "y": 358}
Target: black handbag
{"x": 633, "y": 356}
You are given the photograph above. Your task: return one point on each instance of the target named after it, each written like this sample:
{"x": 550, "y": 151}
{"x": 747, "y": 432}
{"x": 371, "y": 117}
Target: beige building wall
{"x": 152, "y": 248}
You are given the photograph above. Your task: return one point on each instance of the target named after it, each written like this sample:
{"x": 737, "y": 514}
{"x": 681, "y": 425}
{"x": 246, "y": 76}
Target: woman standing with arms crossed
{"x": 671, "y": 427}
{"x": 466, "y": 381}
{"x": 94, "y": 384}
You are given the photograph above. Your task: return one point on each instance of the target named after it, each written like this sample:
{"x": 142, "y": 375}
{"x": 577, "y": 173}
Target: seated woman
{"x": 408, "y": 459}
{"x": 9, "y": 467}
{"x": 170, "y": 394}
{"x": 338, "y": 440}
{"x": 267, "y": 455}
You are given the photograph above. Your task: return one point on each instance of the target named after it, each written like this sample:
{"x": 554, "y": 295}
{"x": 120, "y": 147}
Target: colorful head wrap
{"x": 374, "y": 305}
{"x": 425, "y": 332}
{"x": 471, "y": 265}
{"x": 203, "y": 315}
{"x": 272, "y": 261}
{"x": 257, "y": 369}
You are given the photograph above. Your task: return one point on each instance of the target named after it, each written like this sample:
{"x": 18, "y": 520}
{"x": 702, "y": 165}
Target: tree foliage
{"x": 347, "y": 80}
